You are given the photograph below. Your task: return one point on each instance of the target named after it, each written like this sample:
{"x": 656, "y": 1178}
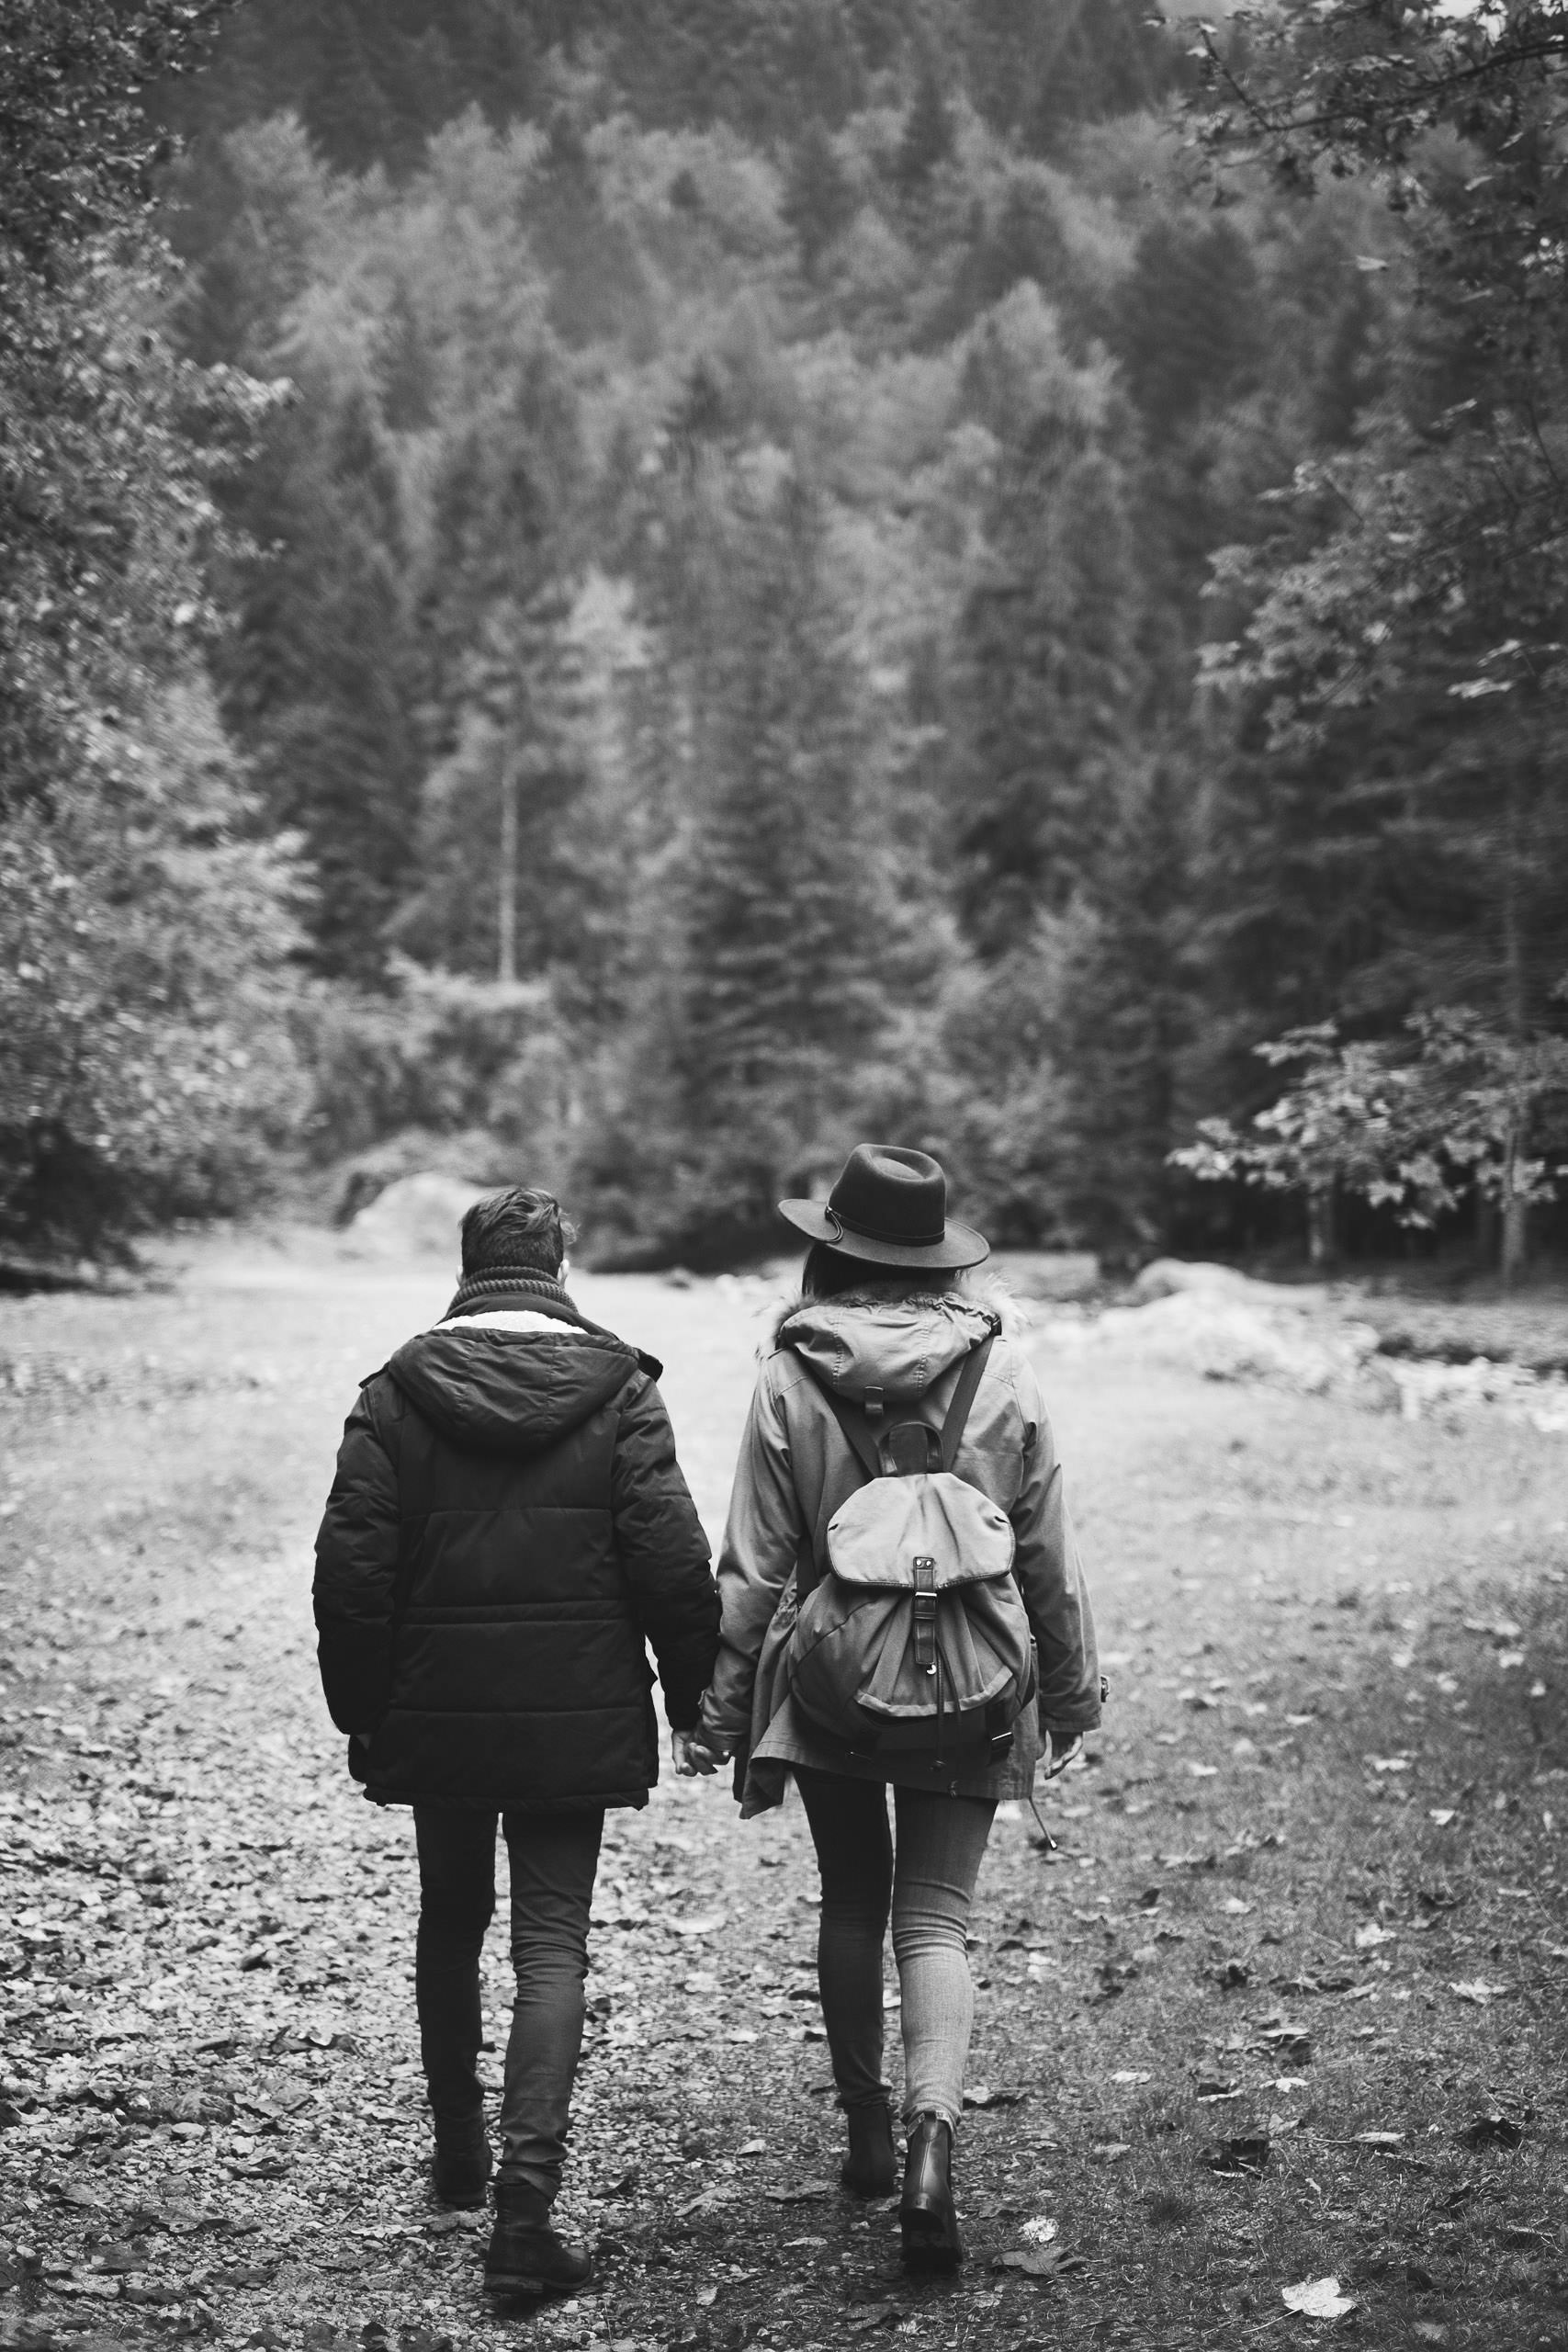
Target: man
{"x": 508, "y": 1525}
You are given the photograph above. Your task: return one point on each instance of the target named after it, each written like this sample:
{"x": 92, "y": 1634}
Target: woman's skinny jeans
{"x": 926, "y": 1878}
{"x": 553, "y": 1859}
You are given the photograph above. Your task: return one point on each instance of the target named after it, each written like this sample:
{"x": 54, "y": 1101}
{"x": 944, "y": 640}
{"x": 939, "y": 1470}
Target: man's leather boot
{"x": 871, "y": 2169}
{"x": 928, "y": 2218}
{"x": 526, "y": 2256}
{"x": 461, "y": 2168}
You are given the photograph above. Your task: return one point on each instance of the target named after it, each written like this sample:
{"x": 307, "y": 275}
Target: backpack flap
{"x": 876, "y": 1537}
{"x": 974, "y": 1654}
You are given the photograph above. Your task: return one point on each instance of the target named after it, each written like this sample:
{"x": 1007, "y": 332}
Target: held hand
{"x": 1057, "y": 1759}
{"x": 692, "y": 1754}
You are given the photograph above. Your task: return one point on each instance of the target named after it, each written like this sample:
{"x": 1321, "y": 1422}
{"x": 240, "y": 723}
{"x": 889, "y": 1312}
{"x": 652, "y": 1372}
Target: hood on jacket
{"x": 510, "y": 1391}
{"x": 901, "y": 1345}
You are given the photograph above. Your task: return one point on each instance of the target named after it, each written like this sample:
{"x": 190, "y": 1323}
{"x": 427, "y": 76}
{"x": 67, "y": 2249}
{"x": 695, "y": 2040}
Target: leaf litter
{"x": 239, "y": 1987}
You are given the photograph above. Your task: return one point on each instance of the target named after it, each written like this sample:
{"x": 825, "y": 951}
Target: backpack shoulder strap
{"x": 857, "y": 1434}
{"x": 963, "y": 1398}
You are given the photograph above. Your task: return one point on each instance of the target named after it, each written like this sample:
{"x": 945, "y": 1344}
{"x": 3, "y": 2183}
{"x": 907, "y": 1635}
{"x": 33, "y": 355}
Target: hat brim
{"x": 960, "y": 1245}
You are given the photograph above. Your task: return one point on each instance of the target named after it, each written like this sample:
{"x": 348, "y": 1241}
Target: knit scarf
{"x": 498, "y": 1279}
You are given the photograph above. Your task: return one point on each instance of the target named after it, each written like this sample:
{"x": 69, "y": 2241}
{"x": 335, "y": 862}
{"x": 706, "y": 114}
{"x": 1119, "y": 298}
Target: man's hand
{"x": 692, "y": 1754}
{"x": 1057, "y": 1759}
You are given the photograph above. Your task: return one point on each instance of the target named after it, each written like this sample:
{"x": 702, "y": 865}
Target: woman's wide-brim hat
{"x": 889, "y": 1207}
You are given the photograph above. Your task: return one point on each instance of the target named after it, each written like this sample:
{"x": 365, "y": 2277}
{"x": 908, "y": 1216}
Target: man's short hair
{"x": 521, "y": 1230}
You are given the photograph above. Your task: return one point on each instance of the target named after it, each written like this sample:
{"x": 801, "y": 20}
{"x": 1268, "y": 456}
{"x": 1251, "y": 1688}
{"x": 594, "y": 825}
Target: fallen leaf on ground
{"x": 1492, "y": 2130}
{"x": 1040, "y": 2231}
{"x": 1292, "y": 2043}
{"x": 982, "y": 2095}
{"x": 1317, "y": 2299}
{"x": 1477, "y": 1989}
{"x": 1038, "y": 2262}
{"x": 1246, "y": 2152}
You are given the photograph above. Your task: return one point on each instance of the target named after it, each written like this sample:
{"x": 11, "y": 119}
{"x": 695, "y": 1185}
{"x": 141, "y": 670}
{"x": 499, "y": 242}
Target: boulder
{"x": 418, "y": 1216}
{"x": 1051, "y": 1275}
{"x": 1172, "y": 1277}
{"x": 1222, "y": 1336}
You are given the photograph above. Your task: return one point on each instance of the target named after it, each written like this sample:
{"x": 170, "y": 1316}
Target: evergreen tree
{"x": 819, "y": 200}
{"x": 509, "y": 861}
{"x": 1040, "y": 68}
{"x": 1051, "y": 690}
{"x": 750, "y": 1079}
{"x": 320, "y": 680}
{"x": 1187, "y": 325}
{"x": 1129, "y": 1012}
{"x": 928, "y": 135}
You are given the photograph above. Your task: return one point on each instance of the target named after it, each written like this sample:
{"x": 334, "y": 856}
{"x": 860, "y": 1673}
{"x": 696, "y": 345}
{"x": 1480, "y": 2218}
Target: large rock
{"x": 1047, "y": 1274}
{"x": 416, "y": 1217}
{"x": 1222, "y": 1335}
{"x": 1180, "y": 1277}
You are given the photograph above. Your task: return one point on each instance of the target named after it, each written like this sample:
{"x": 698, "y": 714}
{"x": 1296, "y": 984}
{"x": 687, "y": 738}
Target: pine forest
{"x": 623, "y": 596}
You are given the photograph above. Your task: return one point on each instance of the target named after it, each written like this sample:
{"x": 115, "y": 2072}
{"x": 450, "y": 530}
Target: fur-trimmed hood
{"x": 986, "y": 1291}
{"x": 900, "y": 1343}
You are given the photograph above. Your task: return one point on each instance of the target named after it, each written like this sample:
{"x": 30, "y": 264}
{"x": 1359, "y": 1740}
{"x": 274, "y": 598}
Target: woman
{"x": 882, "y": 1322}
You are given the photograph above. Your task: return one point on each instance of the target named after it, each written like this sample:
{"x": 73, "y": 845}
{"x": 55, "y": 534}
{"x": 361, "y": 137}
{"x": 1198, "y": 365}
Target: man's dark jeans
{"x": 553, "y": 1857}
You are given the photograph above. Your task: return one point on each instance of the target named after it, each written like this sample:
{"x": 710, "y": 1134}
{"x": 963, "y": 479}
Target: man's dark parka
{"x": 507, "y": 1526}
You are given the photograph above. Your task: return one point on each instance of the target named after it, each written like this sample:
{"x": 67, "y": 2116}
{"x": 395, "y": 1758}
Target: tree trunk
{"x": 1516, "y": 1211}
{"x": 1516, "y": 1214}
{"x": 506, "y": 910}
{"x": 1488, "y": 1230}
{"x": 1323, "y": 1239}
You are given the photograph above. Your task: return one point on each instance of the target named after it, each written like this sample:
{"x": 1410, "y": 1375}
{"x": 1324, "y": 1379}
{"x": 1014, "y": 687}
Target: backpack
{"x": 913, "y": 1641}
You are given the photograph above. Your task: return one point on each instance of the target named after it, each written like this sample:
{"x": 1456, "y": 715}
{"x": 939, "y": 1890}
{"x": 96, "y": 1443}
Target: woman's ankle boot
{"x": 526, "y": 2256}
{"x": 928, "y": 2218}
{"x": 871, "y": 2168}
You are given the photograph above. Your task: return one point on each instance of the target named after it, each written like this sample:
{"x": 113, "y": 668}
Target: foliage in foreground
{"x": 145, "y": 929}
{"x": 1412, "y": 1124}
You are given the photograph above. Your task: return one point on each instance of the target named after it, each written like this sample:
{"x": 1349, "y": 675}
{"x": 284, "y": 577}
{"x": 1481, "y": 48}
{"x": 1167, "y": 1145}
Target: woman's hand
{"x": 1057, "y": 1759}
{"x": 692, "y": 1754}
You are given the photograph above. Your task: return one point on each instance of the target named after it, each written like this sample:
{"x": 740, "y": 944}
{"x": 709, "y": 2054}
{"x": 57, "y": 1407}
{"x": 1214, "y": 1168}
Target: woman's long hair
{"x": 828, "y": 1274}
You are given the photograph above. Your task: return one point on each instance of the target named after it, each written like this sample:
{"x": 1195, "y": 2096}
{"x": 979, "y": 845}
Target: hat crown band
{"x": 892, "y": 1196}
{"x": 925, "y": 1239}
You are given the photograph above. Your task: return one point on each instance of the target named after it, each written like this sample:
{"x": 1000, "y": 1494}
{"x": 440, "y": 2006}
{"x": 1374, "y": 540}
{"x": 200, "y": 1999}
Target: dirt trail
{"x": 1305, "y": 1890}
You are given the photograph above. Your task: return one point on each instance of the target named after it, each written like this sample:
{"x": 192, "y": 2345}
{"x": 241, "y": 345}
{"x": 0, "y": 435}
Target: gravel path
{"x": 1253, "y": 1930}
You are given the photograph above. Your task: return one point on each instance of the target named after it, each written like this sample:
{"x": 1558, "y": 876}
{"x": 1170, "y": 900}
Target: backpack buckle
{"x": 925, "y": 1613}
